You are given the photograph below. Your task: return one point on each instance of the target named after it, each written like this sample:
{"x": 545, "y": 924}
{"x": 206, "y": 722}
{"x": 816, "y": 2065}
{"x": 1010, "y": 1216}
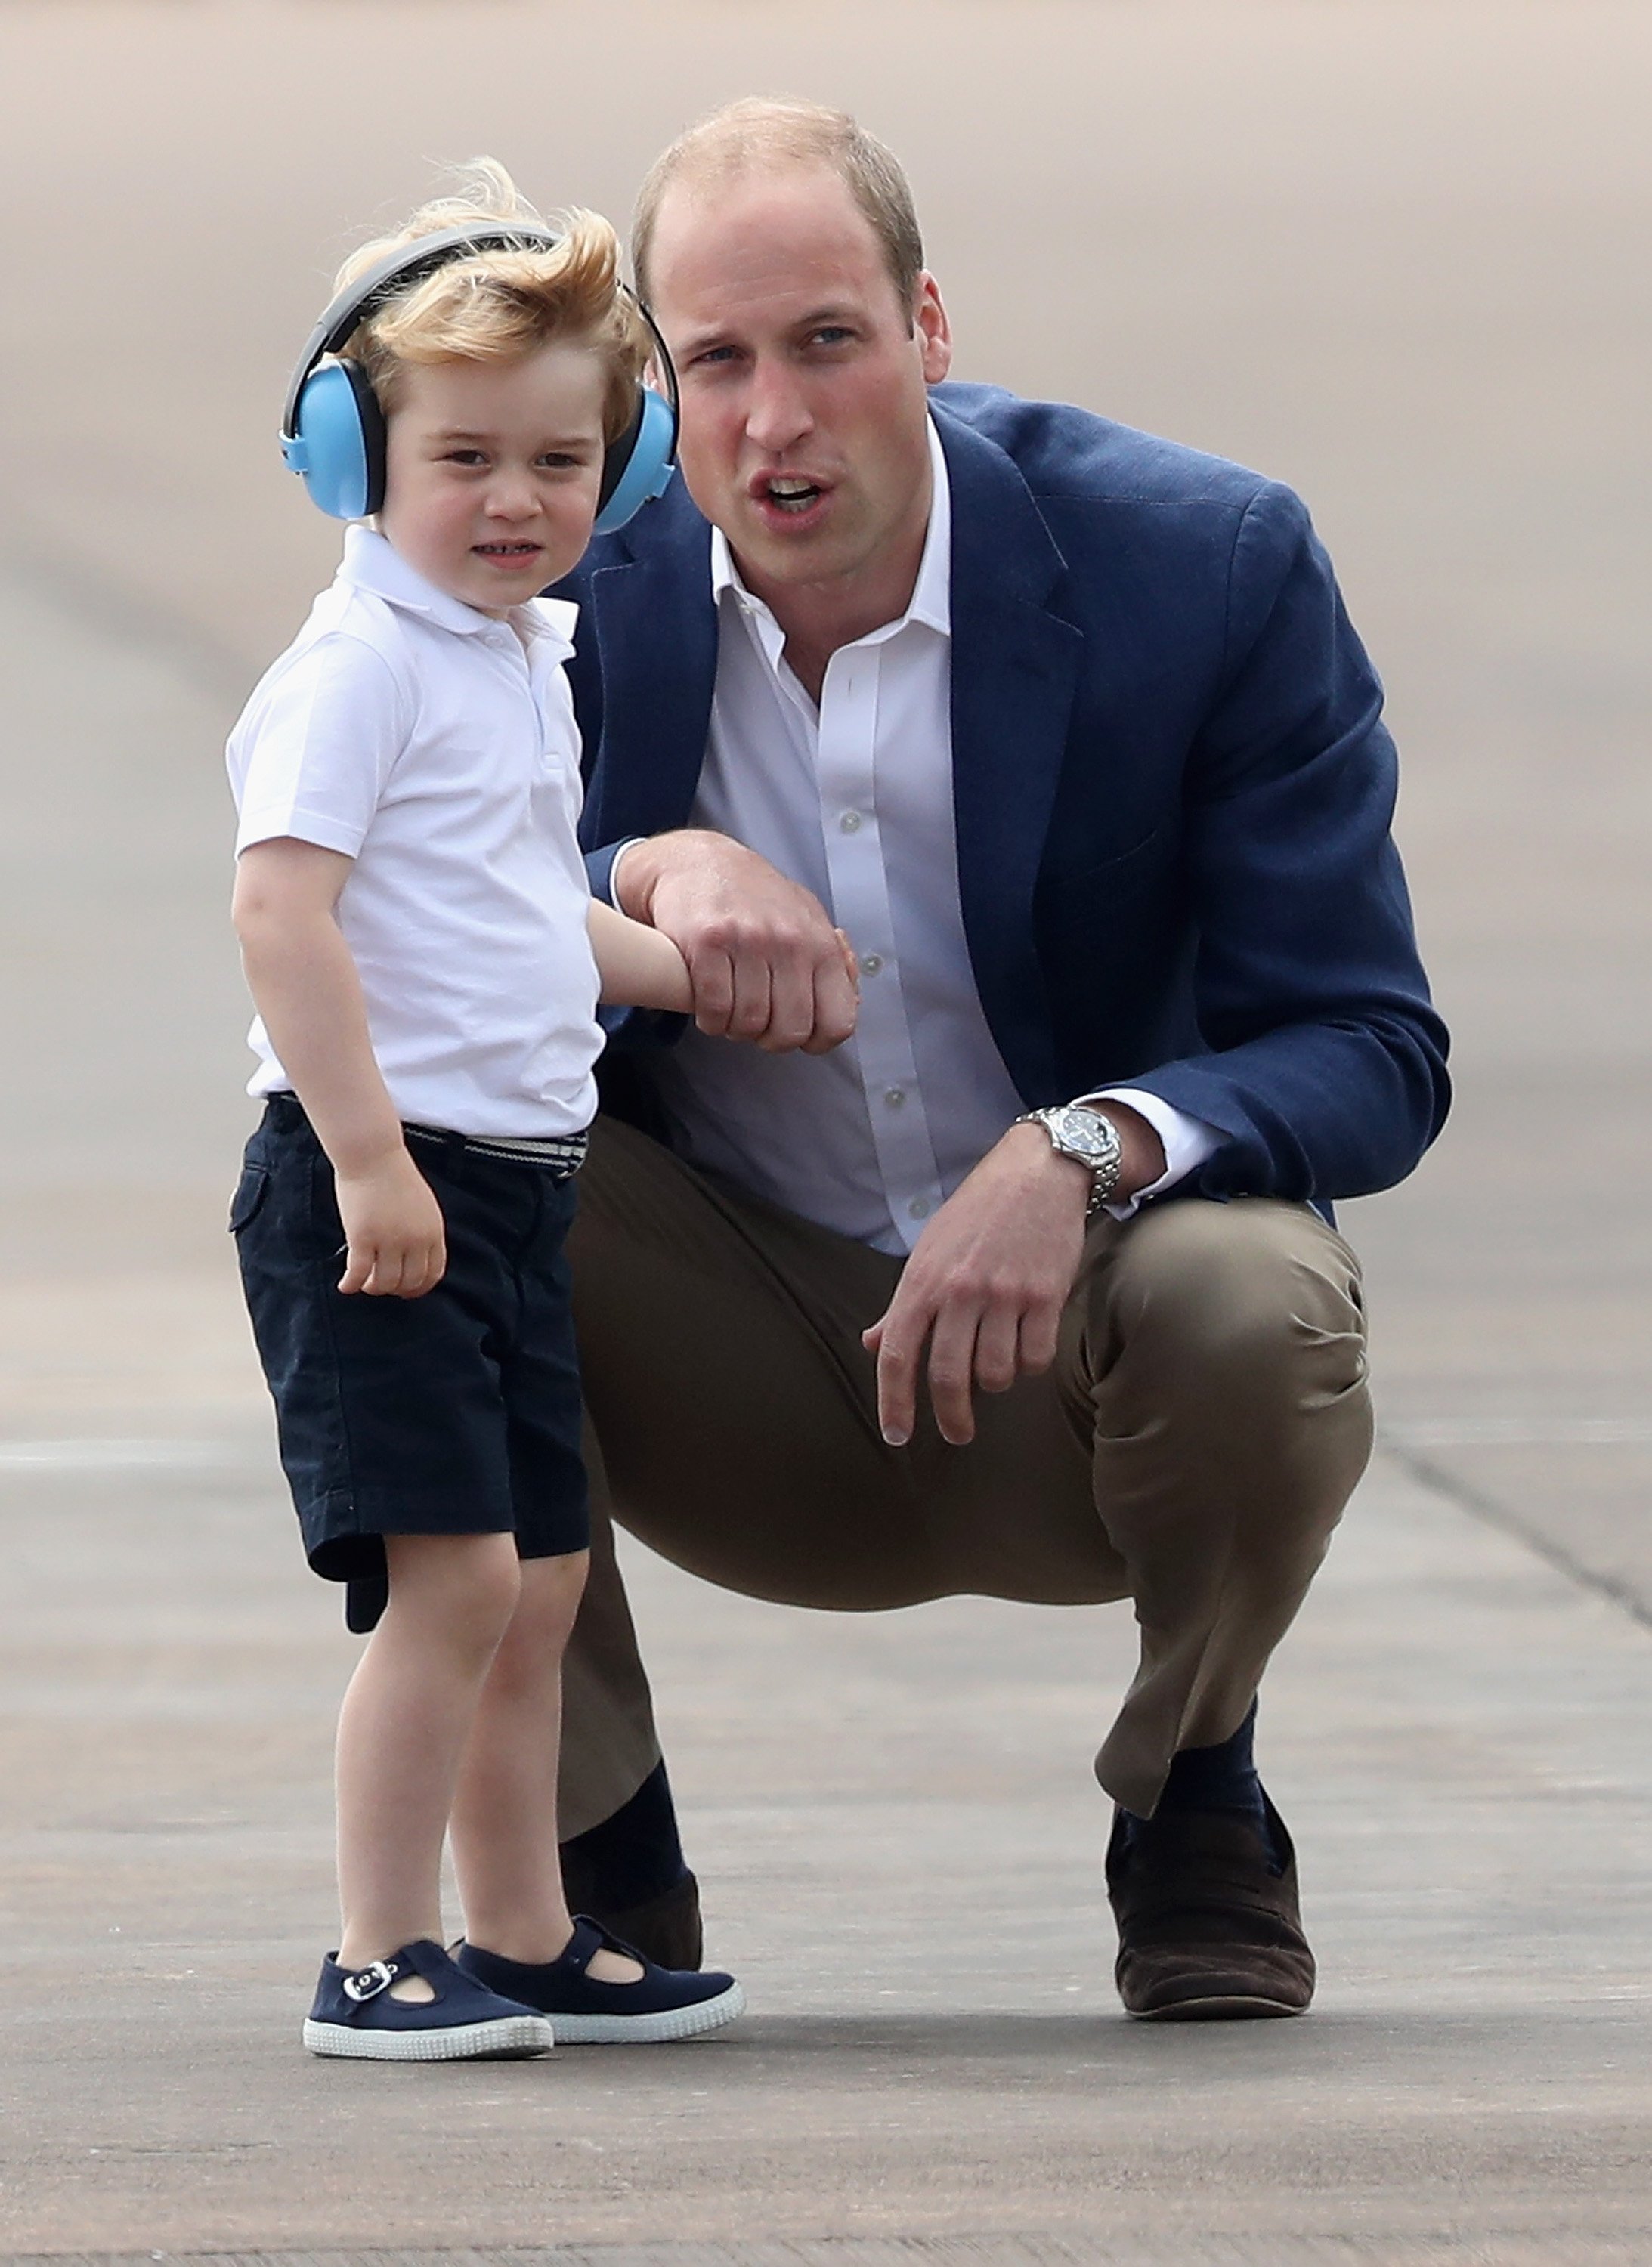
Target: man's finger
{"x": 899, "y": 1340}
{"x": 951, "y": 1371}
{"x": 754, "y": 997}
{"x": 997, "y": 1339}
{"x": 836, "y": 1007}
{"x": 1039, "y": 1336}
{"x": 711, "y": 973}
{"x": 791, "y": 1008}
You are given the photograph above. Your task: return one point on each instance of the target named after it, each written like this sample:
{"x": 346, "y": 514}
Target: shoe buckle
{"x": 369, "y": 1982}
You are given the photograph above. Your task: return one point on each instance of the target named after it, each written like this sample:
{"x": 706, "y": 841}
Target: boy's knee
{"x": 469, "y": 1586}
{"x": 551, "y": 1591}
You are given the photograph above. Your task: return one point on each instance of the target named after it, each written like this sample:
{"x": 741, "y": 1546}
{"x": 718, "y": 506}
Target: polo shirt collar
{"x": 372, "y": 563}
{"x": 931, "y": 601}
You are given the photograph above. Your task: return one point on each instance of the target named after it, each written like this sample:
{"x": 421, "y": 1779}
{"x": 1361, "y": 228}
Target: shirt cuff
{"x": 1187, "y": 1141}
{"x": 614, "y": 863}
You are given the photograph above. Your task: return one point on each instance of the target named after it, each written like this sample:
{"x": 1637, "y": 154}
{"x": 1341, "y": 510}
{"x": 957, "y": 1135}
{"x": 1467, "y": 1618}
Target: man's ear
{"x": 932, "y": 329}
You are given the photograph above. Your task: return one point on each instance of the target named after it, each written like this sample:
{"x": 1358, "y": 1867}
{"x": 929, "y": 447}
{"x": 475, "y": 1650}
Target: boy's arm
{"x": 305, "y": 987}
{"x": 639, "y": 967}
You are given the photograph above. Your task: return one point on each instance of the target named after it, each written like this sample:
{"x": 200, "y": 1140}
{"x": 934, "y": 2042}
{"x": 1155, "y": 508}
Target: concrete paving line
{"x": 1369, "y": 2249}
{"x": 93, "y": 1454}
{"x": 1491, "y": 1511}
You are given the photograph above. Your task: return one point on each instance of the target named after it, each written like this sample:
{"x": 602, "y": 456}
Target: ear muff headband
{"x": 332, "y": 428}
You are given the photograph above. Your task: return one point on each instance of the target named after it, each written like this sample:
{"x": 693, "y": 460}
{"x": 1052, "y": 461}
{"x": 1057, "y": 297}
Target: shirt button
{"x": 894, "y": 1095}
{"x": 870, "y": 962}
{"x": 851, "y": 821}
{"x": 918, "y": 1207}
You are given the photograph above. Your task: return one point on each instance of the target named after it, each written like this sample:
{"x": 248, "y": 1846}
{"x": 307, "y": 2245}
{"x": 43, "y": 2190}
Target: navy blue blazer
{"x": 1172, "y": 782}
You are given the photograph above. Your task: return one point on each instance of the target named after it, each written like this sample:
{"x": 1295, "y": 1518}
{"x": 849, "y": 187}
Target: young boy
{"x": 424, "y": 957}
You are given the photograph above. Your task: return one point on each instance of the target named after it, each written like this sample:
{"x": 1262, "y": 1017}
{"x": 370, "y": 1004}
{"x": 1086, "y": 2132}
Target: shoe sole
{"x": 649, "y": 2031}
{"x": 1229, "y": 2008}
{"x": 509, "y": 2039}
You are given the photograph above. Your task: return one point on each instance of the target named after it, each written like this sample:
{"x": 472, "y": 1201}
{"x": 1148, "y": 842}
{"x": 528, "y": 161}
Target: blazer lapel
{"x": 1015, "y": 670}
{"x": 657, "y": 636}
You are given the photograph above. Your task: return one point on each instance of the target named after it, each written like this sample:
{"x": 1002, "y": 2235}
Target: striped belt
{"x": 560, "y": 1154}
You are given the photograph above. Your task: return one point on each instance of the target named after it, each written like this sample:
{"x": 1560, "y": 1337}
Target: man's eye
{"x": 830, "y": 335}
{"x": 714, "y": 354}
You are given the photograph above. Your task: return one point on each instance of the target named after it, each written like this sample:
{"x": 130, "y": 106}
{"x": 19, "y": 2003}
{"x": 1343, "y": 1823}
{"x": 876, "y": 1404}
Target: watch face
{"x": 1079, "y": 1130}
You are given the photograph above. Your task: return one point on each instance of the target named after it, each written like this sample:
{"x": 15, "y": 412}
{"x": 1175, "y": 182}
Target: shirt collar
{"x": 931, "y": 601}
{"x": 372, "y": 563}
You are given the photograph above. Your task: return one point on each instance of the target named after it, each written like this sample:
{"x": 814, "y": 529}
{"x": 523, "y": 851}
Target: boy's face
{"x": 492, "y": 472}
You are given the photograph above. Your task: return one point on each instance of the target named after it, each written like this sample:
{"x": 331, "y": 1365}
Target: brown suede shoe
{"x": 1207, "y": 1929}
{"x": 666, "y": 1927}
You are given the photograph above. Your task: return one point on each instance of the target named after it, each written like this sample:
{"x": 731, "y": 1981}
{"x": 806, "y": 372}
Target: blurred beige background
{"x": 1391, "y": 251}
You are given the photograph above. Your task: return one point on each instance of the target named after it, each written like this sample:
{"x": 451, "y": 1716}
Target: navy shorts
{"x": 458, "y": 1413}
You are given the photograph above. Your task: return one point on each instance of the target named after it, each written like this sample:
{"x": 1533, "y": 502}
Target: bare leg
{"x": 504, "y": 1822}
{"x": 402, "y": 1732}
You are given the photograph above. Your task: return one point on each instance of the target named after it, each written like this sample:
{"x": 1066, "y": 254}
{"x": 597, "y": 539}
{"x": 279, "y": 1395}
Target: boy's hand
{"x": 396, "y": 1246}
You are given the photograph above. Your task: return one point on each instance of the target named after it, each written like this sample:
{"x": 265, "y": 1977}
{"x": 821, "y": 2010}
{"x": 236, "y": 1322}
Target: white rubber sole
{"x": 508, "y": 2038}
{"x": 646, "y": 2031}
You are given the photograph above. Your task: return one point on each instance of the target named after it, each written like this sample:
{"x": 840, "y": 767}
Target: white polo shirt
{"x": 435, "y": 746}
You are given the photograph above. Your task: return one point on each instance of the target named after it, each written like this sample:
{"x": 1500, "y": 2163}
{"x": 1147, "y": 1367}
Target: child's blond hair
{"x": 493, "y": 306}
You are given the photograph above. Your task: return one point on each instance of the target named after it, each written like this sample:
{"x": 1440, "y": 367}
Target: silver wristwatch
{"x": 1078, "y": 1131}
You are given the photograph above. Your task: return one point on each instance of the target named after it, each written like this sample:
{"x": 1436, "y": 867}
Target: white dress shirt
{"x": 436, "y": 747}
{"x": 854, "y": 800}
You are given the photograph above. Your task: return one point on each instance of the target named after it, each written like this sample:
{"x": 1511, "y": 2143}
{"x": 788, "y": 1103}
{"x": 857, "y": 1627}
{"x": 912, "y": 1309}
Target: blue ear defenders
{"x": 332, "y": 428}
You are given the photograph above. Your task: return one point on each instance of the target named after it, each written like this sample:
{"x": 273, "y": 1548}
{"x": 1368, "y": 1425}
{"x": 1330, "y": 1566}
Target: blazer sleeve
{"x": 1327, "y": 1076}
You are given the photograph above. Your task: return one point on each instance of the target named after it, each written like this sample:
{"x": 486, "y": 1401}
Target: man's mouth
{"x": 790, "y": 492}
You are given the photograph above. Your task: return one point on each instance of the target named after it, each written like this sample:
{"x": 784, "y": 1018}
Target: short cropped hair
{"x": 761, "y": 131}
{"x": 495, "y": 306}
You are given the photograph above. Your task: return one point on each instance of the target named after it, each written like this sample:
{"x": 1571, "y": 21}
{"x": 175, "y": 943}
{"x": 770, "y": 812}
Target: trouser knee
{"x": 1254, "y": 1305}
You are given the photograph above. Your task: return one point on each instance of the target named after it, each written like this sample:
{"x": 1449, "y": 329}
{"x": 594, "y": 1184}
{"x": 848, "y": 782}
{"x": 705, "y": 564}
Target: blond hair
{"x": 495, "y": 305}
{"x": 762, "y": 131}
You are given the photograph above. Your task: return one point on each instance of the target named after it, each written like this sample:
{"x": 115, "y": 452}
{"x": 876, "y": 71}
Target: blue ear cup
{"x": 338, "y": 443}
{"x": 638, "y": 466}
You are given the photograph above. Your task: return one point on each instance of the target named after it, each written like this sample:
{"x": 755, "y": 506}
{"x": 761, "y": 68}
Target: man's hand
{"x": 396, "y": 1242}
{"x": 764, "y": 960}
{"x": 989, "y": 1276}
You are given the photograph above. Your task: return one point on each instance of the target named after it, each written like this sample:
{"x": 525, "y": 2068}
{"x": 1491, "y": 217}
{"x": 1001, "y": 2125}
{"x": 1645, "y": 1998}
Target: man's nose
{"x": 777, "y": 412}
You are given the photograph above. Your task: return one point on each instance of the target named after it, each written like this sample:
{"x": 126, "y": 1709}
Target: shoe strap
{"x": 422, "y": 1957}
{"x": 379, "y": 1974}
{"x": 590, "y": 1938}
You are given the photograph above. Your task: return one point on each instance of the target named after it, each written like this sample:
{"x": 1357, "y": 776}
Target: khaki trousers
{"x": 1192, "y": 1449}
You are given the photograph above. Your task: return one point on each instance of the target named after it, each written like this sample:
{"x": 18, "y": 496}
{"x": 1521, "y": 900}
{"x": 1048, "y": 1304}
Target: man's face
{"x": 493, "y": 470}
{"x": 804, "y": 377}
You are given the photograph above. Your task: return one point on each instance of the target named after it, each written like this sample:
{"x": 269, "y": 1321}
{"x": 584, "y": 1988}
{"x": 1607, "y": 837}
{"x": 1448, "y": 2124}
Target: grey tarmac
{"x": 1392, "y": 251}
